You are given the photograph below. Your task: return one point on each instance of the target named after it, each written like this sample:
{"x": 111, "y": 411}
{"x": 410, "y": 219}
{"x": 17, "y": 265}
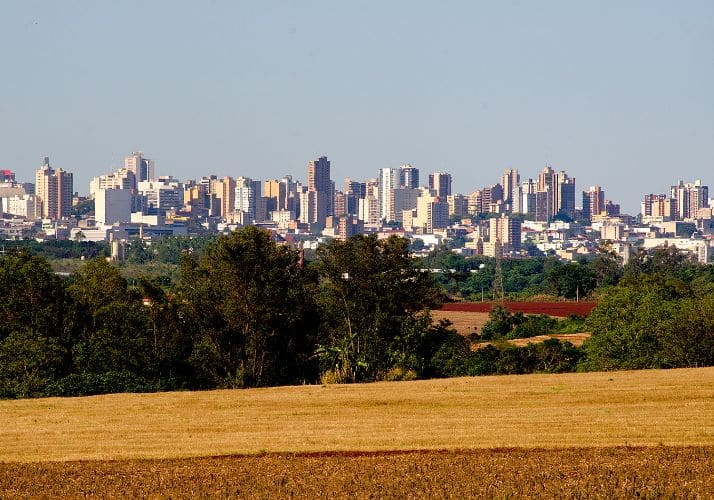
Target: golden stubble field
{"x": 652, "y": 407}
{"x": 595, "y": 434}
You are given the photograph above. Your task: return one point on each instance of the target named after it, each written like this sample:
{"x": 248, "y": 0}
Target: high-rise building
{"x": 53, "y": 190}
{"x": 658, "y": 206}
{"x": 431, "y": 213}
{"x": 689, "y": 197}
{"x": 112, "y": 206}
{"x": 20, "y": 205}
{"x": 246, "y": 199}
{"x": 276, "y": 193}
{"x": 143, "y": 168}
{"x": 319, "y": 182}
{"x": 225, "y": 192}
{"x": 561, "y": 189}
{"x": 458, "y": 204}
{"x": 401, "y": 199}
{"x": 507, "y": 231}
{"x": 566, "y": 195}
{"x": 408, "y": 176}
{"x": 307, "y": 206}
{"x": 593, "y": 202}
{"x": 388, "y": 180}
{"x": 160, "y": 195}
{"x": 510, "y": 180}
{"x": 121, "y": 179}
{"x": 440, "y": 184}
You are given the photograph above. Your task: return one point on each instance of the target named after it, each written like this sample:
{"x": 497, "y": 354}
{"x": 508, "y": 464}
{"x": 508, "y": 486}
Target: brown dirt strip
{"x": 615, "y": 472}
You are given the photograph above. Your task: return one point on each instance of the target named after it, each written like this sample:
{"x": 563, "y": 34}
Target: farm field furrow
{"x": 622, "y": 472}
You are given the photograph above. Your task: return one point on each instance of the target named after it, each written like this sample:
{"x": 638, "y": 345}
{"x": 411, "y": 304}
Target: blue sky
{"x": 615, "y": 93}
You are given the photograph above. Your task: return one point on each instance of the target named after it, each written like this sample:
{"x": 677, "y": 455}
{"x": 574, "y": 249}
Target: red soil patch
{"x": 561, "y": 309}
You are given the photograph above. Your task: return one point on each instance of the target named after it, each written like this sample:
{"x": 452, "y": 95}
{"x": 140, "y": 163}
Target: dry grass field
{"x": 652, "y": 407}
{"x": 618, "y": 434}
{"x": 464, "y": 322}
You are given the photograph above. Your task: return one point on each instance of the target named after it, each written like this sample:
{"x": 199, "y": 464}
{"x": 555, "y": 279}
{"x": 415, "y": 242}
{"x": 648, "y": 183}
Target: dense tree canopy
{"x": 248, "y": 312}
{"x": 371, "y": 296}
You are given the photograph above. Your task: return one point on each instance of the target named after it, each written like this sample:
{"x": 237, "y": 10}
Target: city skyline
{"x": 471, "y": 88}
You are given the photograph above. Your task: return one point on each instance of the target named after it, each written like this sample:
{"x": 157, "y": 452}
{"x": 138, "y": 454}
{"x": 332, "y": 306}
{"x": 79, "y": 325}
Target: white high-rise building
{"x": 112, "y": 206}
{"x": 246, "y": 198}
{"x": 388, "y": 180}
{"x": 20, "y": 206}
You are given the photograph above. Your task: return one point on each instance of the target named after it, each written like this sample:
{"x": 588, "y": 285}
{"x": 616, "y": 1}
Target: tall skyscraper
{"x": 510, "y": 181}
{"x": 143, "y": 168}
{"x": 561, "y": 192}
{"x": 565, "y": 188}
{"x": 319, "y": 182}
{"x": 53, "y": 190}
{"x": 440, "y": 184}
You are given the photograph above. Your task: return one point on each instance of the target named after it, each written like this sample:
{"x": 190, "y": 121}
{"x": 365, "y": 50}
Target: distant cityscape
{"x": 514, "y": 217}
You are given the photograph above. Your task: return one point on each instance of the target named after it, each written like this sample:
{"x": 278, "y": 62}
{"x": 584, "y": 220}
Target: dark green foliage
{"x": 503, "y": 324}
{"x": 247, "y": 313}
{"x": 652, "y": 321}
{"x": 551, "y": 356}
{"x": 371, "y": 297}
{"x": 60, "y": 249}
{"x": 33, "y": 338}
{"x": 252, "y": 310}
{"x": 572, "y": 280}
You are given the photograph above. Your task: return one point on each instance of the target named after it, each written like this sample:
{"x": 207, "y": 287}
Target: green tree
{"x": 371, "y": 295}
{"x": 252, "y": 308}
{"x": 571, "y": 280}
{"x": 109, "y": 323}
{"x": 625, "y": 323}
{"x": 34, "y": 343}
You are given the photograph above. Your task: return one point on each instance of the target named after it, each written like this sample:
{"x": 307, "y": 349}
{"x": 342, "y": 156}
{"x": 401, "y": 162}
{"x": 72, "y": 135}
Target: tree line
{"x": 248, "y": 312}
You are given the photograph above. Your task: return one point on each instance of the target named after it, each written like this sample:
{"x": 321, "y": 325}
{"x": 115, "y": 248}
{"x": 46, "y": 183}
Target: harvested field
{"x": 562, "y": 309}
{"x": 650, "y": 407}
{"x": 464, "y": 322}
{"x": 623, "y": 472}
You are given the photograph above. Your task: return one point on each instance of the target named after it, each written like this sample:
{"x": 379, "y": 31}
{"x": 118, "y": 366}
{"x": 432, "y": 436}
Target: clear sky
{"x": 617, "y": 93}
